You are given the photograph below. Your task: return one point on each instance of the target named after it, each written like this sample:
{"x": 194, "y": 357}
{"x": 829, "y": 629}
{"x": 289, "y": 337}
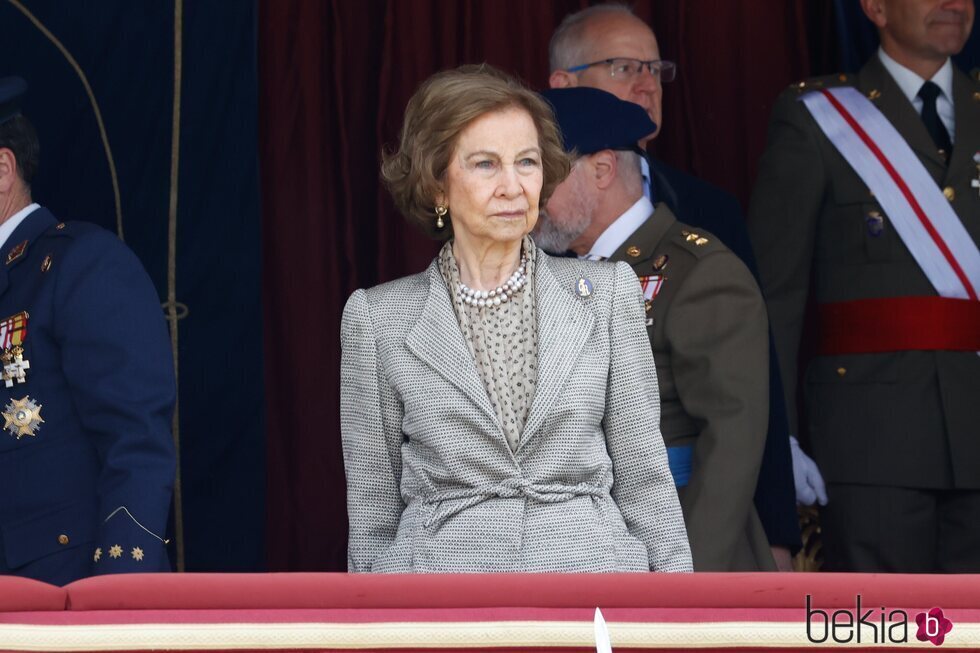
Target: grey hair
{"x": 629, "y": 170}
{"x": 567, "y": 47}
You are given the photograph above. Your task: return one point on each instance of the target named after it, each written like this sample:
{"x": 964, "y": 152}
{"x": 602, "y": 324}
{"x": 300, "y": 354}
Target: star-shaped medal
{"x": 137, "y": 554}
{"x": 115, "y": 551}
{"x": 22, "y": 417}
{"x": 98, "y": 554}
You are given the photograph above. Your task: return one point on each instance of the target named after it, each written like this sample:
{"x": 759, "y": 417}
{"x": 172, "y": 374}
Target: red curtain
{"x": 334, "y": 78}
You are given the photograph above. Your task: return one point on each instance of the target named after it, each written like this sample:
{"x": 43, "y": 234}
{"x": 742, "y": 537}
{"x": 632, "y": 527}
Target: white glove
{"x": 809, "y": 483}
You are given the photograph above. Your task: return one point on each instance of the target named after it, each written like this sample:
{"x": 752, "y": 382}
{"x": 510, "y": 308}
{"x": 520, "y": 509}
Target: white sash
{"x": 922, "y": 216}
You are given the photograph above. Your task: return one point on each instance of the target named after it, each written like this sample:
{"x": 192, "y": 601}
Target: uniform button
{"x": 62, "y": 539}
{"x": 841, "y": 371}
{"x": 949, "y": 193}
{"x": 633, "y": 251}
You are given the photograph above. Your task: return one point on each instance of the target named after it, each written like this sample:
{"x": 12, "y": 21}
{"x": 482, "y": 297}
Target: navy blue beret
{"x": 12, "y": 89}
{"x": 592, "y": 120}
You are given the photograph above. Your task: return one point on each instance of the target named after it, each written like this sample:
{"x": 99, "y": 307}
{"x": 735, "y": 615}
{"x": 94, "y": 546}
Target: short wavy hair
{"x": 442, "y": 107}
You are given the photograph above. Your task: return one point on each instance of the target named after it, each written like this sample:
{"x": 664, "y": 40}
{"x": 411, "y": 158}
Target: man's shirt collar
{"x": 616, "y": 234}
{"x": 910, "y": 82}
{"x": 11, "y": 223}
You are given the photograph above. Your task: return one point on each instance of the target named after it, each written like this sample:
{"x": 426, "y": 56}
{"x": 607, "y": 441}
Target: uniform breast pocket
{"x": 863, "y": 226}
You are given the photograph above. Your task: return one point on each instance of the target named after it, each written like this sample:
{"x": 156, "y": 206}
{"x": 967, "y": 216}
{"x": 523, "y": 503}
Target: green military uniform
{"x": 707, "y": 326}
{"x": 883, "y": 426}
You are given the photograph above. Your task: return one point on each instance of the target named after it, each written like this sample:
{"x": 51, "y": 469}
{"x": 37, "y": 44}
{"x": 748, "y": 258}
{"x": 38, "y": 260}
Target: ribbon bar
{"x": 870, "y": 326}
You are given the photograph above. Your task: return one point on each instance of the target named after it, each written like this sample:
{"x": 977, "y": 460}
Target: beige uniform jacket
{"x": 907, "y": 419}
{"x": 708, "y": 331}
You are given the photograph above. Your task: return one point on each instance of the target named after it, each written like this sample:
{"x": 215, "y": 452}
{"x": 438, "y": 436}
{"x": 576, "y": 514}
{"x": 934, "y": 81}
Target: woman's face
{"x": 494, "y": 178}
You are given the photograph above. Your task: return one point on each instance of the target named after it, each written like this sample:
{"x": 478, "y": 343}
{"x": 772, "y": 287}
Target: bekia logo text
{"x": 874, "y": 625}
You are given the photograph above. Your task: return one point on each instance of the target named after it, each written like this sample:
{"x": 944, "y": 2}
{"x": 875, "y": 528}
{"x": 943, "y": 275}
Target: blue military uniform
{"x": 86, "y": 455}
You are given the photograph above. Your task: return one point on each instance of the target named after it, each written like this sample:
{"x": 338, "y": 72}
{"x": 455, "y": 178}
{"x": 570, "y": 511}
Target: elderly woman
{"x": 499, "y": 411}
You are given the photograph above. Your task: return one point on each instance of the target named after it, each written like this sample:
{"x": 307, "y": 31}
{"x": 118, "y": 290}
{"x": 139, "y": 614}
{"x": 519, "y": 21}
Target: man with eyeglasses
{"x": 610, "y": 48}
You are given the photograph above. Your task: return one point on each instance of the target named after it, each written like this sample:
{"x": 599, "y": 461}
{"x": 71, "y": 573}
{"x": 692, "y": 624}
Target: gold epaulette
{"x": 822, "y": 82}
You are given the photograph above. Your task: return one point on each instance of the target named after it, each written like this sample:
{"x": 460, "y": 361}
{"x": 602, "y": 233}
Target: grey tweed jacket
{"x": 432, "y": 485}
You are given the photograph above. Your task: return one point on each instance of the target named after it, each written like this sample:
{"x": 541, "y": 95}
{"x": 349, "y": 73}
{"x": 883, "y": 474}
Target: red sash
{"x": 867, "y": 326}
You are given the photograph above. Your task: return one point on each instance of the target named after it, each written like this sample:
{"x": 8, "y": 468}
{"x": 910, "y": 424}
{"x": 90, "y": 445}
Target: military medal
{"x": 14, "y": 366}
{"x": 22, "y": 417}
{"x": 651, "y": 287}
{"x": 13, "y": 332}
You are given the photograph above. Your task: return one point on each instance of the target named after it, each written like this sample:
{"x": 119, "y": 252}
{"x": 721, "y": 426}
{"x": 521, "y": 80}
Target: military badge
{"x": 875, "y": 222}
{"x": 13, "y": 332}
{"x": 695, "y": 238}
{"x": 16, "y": 252}
{"x": 22, "y": 417}
{"x": 661, "y": 262}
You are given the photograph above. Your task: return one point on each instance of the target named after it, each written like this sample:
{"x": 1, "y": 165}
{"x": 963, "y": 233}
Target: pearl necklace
{"x": 498, "y": 295}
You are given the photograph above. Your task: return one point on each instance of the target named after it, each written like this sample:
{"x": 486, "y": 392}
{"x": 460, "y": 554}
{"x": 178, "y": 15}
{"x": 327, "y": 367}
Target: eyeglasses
{"x": 623, "y": 69}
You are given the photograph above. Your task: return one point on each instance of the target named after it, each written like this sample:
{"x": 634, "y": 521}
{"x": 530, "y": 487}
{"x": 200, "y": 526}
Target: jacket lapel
{"x": 564, "y": 325}
{"x": 900, "y": 112}
{"x": 966, "y": 139}
{"x": 15, "y": 250}
{"x": 437, "y": 341}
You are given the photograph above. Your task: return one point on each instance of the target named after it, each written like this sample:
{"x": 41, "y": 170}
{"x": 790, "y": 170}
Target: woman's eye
{"x": 485, "y": 165}
{"x": 528, "y": 162}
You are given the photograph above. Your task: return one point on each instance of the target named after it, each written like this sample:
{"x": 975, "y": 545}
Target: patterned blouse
{"x": 504, "y": 343}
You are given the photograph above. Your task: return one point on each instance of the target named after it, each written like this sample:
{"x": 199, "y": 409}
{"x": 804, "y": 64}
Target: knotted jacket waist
{"x": 451, "y": 502}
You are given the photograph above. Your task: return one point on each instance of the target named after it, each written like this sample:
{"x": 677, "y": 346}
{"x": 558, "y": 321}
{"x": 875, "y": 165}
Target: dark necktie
{"x": 929, "y": 92}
